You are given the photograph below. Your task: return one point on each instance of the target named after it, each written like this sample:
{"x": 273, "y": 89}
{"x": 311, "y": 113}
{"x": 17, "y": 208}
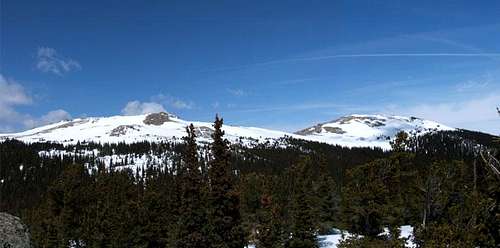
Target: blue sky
{"x": 276, "y": 64}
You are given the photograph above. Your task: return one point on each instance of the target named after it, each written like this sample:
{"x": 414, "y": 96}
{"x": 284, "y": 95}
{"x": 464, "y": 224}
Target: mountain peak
{"x": 357, "y": 129}
{"x": 352, "y": 130}
{"x": 159, "y": 118}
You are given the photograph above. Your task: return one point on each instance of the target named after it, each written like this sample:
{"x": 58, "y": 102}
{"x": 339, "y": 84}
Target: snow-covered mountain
{"x": 149, "y": 127}
{"x": 353, "y": 130}
{"x": 368, "y": 130}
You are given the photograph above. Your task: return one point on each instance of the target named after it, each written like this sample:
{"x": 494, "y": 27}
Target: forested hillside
{"x": 269, "y": 195}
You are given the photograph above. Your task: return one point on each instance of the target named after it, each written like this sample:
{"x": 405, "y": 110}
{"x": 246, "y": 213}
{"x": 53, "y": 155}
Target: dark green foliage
{"x": 364, "y": 199}
{"x": 328, "y": 199}
{"x": 267, "y": 191}
{"x": 270, "y": 230}
{"x": 401, "y": 142}
{"x": 455, "y": 210}
{"x": 303, "y": 206}
{"x": 192, "y": 222}
{"x": 226, "y": 228}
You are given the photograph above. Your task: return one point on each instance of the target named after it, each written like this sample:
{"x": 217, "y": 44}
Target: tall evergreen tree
{"x": 327, "y": 199}
{"x": 269, "y": 233}
{"x": 303, "y": 207}
{"x": 193, "y": 219}
{"x": 226, "y": 228}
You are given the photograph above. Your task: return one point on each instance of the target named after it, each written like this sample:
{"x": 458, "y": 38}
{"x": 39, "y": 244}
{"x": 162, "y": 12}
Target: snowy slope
{"x": 151, "y": 127}
{"x": 333, "y": 240}
{"x": 368, "y": 130}
{"x": 353, "y": 130}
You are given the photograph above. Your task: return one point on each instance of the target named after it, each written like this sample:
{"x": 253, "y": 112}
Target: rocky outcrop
{"x": 336, "y": 130}
{"x": 319, "y": 128}
{"x": 157, "y": 119}
{"x": 13, "y": 233}
{"x": 371, "y": 121}
{"x": 122, "y": 130}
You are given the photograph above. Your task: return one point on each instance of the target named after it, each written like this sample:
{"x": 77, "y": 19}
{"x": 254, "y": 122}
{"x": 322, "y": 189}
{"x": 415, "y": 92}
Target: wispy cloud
{"x": 471, "y": 85}
{"x": 476, "y": 84}
{"x": 50, "y": 61}
{"x": 172, "y": 101}
{"x": 237, "y": 92}
{"x": 293, "y": 107}
{"x": 360, "y": 55}
{"x": 380, "y": 55}
{"x": 179, "y": 104}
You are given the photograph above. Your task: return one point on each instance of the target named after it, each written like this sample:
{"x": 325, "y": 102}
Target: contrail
{"x": 361, "y": 55}
{"x": 368, "y": 55}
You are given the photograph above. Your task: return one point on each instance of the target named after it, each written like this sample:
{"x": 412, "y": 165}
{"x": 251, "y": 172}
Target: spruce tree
{"x": 303, "y": 207}
{"x": 226, "y": 228}
{"x": 328, "y": 199}
{"x": 191, "y": 228}
{"x": 269, "y": 231}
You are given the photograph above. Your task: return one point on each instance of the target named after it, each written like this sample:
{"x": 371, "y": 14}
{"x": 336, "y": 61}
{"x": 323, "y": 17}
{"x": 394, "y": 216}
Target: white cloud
{"x": 51, "y": 117}
{"x": 55, "y": 116}
{"x": 475, "y": 114}
{"x": 156, "y": 104}
{"x": 12, "y": 95}
{"x": 138, "y": 108}
{"x": 49, "y": 60}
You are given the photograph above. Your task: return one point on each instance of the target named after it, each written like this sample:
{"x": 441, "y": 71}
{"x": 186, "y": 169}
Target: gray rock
{"x": 13, "y": 233}
{"x": 122, "y": 130}
{"x": 318, "y": 128}
{"x": 157, "y": 119}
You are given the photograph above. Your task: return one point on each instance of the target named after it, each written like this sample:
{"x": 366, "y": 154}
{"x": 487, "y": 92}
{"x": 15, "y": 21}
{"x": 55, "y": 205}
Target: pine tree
{"x": 303, "y": 206}
{"x": 226, "y": 228}
{"x": 191, "y": 224}
{"x": 269, "y": 233}
{"x": 401, "y": 142}
{"x": 328, "y": 200}
{"x": 364, "y": 199}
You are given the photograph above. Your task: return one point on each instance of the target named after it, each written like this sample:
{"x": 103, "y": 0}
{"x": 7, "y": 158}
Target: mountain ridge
{"x": 352, "y": 131}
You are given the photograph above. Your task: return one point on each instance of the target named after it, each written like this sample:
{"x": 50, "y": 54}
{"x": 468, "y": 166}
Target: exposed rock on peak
{"x": 319, "y": 128}
{"x": 158, "y": 119}
{"x": 369, "y": 130}
{"x": 353, "y": 130}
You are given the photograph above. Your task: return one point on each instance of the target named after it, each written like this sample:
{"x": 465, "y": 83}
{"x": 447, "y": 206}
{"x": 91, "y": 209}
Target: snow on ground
{"x": 349, "y": 131}
{"x": 131, "y": 129}
{"x": 331, "y": 241}
{"x": 369, "y": 130}
{"x": 132, "y": 161}
{"x": 406, "y": 232}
